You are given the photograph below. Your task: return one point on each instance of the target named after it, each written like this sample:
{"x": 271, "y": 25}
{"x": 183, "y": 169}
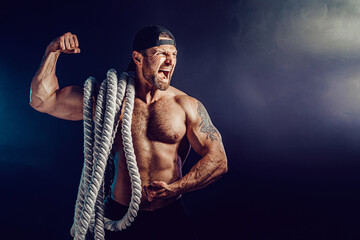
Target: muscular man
{"x": 165, "y": 123}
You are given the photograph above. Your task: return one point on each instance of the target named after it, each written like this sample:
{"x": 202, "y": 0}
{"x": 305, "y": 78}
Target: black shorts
{"x": 169, "y": 222}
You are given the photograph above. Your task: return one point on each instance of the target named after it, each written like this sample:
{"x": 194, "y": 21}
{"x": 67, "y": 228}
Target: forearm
{"x": 207, "y": 170}
{"x": 45, "y": 82}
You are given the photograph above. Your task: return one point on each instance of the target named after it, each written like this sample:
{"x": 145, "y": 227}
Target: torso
{"x": 160, "y": 145}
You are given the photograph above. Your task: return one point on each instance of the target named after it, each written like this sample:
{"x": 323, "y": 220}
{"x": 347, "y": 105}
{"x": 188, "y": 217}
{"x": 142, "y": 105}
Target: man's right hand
{"x": 67, "y": 43}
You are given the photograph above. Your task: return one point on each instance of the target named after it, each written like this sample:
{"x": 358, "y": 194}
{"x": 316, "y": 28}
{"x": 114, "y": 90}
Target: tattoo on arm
{"x": 206, "y": 125}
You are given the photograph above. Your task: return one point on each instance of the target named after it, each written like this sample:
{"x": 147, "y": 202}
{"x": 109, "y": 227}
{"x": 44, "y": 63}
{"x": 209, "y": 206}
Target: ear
{"x": 137, "y": 57}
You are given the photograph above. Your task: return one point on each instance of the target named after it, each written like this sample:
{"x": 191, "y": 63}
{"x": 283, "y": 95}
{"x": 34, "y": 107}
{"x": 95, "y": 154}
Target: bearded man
{"x": 166, "y": 122}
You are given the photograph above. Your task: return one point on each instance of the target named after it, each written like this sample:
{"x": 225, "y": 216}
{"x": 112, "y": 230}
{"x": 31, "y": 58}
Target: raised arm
{"x": 45, "y": 95}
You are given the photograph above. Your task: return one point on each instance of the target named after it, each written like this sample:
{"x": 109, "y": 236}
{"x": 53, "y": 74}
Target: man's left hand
{"x": 159, "y": 190}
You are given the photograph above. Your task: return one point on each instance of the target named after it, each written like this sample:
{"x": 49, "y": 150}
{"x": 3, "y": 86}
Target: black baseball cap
{"x": 149, "y": 37}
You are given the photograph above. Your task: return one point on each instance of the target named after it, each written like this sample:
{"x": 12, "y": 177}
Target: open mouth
{"x": 164, "y": 73}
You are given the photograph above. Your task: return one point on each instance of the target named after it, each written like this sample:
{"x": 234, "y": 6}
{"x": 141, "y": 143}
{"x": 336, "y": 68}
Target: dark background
{"x": 280, "y": 79}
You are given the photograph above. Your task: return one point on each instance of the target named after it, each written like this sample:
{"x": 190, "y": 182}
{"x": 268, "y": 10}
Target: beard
{"x": 151, "y": 75}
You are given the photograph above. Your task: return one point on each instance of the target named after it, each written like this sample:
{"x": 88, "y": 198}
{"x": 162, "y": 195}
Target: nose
{"x": 169, "y": 59}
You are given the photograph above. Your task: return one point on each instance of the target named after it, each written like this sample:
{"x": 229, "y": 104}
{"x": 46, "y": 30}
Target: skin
{"x": 165, "y": 123}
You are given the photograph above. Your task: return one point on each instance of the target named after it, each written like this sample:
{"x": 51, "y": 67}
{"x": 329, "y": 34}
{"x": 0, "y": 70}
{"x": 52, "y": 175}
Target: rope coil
{"x": 99, "y": 134}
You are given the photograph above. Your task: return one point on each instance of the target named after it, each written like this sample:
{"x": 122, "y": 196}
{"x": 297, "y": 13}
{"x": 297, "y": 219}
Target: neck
{"x": 146, "y": 91}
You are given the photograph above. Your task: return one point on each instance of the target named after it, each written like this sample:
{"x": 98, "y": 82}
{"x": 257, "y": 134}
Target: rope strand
{"x": 99, "y": 136}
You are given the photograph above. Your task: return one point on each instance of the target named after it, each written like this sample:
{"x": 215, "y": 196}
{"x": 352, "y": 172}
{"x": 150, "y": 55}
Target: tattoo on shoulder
{"x": 206, "y": 125}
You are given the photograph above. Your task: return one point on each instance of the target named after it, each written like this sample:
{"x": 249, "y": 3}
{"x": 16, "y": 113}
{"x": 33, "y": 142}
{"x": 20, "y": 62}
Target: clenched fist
{"x": 159, "y": 190}
{"x": 67, "y": 43}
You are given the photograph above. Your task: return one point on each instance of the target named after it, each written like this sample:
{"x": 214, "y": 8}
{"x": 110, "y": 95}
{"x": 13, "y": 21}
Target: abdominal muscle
{"x": 156, "y": 162}
{"x": 157, "y": 136}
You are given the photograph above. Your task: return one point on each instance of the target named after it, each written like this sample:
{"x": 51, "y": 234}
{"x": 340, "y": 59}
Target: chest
{"x": 162, "y": 121}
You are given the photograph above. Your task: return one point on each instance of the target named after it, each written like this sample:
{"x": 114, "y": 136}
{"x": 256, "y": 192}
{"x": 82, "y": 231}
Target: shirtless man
{"x": 165, "y": 123}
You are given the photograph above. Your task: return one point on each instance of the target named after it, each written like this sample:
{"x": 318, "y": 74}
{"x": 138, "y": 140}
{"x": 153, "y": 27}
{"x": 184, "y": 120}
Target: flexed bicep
{"x": 45, "y": 94}
{"x": 67, "y": 103}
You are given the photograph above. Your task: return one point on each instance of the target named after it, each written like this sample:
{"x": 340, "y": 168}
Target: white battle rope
{"x": 99, "y": 134}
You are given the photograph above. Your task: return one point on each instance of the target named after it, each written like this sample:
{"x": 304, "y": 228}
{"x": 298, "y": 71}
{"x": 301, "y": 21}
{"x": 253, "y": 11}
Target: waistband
{"x": 115, "y": 210}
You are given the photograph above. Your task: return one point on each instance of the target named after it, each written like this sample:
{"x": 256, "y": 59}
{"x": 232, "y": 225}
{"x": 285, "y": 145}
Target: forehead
{"x": 166, "y": 47}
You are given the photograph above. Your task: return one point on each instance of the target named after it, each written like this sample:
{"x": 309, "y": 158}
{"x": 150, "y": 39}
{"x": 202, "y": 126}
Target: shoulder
{"x": 181, "y": 97}
{"x": 189, "y": 104}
